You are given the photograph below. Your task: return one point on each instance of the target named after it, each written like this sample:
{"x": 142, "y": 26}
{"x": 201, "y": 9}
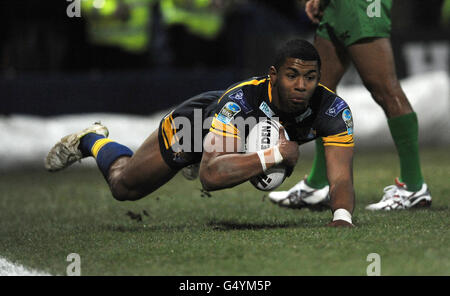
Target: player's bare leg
{"x": 335, "y": 62}
{"x": 374, "y": 60}
{"x": 131, "y": 178}
{"x": 313, "y": 190}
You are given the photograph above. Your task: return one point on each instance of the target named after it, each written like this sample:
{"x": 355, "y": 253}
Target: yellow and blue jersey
{"x": 328, "y": 116}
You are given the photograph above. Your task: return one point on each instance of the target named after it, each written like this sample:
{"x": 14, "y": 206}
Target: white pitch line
{"x": 8, "y": 268}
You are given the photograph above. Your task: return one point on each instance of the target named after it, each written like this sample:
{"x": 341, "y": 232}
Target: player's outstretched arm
{"x": 340, "y": 177}
{"x": 222, "y": 166}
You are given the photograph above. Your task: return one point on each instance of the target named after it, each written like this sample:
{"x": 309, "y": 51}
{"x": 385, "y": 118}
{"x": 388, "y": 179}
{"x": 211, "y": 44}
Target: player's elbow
{"x": 214, "y": 174}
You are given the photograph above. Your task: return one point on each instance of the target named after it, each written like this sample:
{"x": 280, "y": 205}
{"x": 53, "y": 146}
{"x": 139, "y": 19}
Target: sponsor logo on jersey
{"x": 347, "y": 117}
{"x": 229, "y": 110}
{"x": 239, "y": 97}
{"x": 337, "y": 106}
{"x": 266, "y": 109}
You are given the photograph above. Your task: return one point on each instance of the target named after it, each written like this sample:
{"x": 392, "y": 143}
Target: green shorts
{"x": 352, "y": 20}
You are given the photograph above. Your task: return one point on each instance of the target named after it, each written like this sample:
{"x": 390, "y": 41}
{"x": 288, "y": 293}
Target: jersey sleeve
{"x": 336, "y": 125}
{"x": 223, "y": 120}
{"x": 237, "y": 102}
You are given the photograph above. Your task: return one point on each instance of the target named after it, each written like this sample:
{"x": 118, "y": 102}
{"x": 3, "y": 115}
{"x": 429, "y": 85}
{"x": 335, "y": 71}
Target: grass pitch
{"x": 179, "y": 230}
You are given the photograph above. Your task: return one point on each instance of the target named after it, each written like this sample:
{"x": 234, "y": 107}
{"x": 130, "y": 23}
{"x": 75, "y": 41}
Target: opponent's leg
{"x": 374, "y": 60}
{"x": 335, "y": 62}
{"x": 334, "y": 59}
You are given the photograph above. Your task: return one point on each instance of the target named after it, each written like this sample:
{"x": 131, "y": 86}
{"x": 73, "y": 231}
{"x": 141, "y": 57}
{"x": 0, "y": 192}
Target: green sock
{"x": 318, "y": 175}
{"x": 405, "y": 133}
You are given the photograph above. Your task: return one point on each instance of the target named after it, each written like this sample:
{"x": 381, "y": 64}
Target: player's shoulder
{"x": 245, "y": 93}
{"x": 249, "y": 83}
{"x": 246, "y": 88}
{"x": 333, "y": 113}
{"x": 329, "y": 103}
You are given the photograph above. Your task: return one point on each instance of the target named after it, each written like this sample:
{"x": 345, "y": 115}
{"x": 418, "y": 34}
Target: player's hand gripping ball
{"x": 264, "y": 135}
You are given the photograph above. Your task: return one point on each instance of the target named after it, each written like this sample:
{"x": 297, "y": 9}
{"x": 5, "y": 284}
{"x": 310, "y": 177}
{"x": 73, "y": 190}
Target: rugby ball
{"x": 263, "y": 135}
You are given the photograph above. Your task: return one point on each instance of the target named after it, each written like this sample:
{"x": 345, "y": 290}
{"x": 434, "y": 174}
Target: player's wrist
{"x": 270, "y": 157}
{"x": 262, "y": 160}
{"x": 278, "y": 158}
{"x": 342, "y": 214}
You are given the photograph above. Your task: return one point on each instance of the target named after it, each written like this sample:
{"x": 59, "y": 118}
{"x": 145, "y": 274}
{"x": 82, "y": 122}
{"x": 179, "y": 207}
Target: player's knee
{"x": 384, "y": 92}
{"x": 120, "y": 195}
{"x": 126, "y": 195}
{"x": 120, "y": 191}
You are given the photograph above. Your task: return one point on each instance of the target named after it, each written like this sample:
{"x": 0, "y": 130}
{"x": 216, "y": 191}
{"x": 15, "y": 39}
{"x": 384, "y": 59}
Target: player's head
{"x": 297, "y": 48}
{"x": 295, "y": 75}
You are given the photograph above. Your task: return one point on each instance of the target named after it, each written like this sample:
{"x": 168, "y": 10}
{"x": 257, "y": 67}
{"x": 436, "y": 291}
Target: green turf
{"x": 44, "y": 217}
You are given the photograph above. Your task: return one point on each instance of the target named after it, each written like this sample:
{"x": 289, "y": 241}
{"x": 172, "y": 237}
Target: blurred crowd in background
{"x": 141, "y": 56}
{"x": 140, "y": 34}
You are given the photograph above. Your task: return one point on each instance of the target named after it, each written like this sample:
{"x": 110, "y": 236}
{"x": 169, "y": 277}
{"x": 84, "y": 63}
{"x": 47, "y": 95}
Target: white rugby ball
{"x": 263, "y": 135}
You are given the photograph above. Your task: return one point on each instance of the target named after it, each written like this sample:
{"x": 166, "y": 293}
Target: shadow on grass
{"x": 146, "y": 228}
{"x": 432, "y": 208}
{"x": 235, "y": 225}
{"x": 215, "y": 225}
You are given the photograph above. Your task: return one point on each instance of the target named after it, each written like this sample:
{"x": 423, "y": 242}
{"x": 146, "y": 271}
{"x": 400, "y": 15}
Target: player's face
{"x": 294, "y": 84}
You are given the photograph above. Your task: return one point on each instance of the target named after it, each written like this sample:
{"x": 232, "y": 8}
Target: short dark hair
{"x": 296, "y": 48}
